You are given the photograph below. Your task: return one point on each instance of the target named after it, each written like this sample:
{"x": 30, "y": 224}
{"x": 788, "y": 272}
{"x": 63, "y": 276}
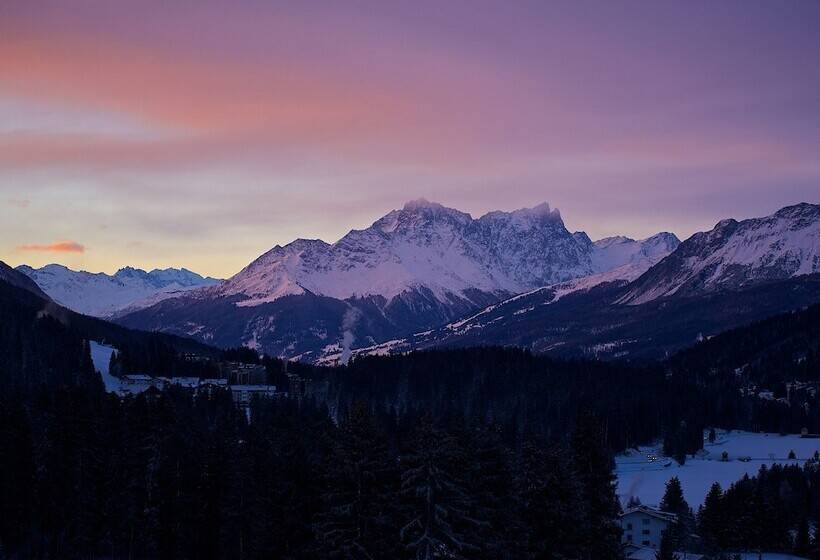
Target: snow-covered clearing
{"x": 644, "y": 472}
{"x": 768, "y": 556}
{"x": 101, "y": 356}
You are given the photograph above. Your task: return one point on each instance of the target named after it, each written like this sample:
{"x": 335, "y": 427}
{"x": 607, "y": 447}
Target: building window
{"x": 645, "y": 521}
{"x": 629, "y": 538}
{"x": 645, "y": 543}
{"x": 629, "y": 526}
{"x": 645, "y": 531}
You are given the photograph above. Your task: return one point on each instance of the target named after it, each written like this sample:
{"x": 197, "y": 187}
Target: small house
{"x": 644, "y": 526}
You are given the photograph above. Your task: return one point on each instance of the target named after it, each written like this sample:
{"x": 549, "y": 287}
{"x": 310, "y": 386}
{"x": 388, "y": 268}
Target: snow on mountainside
{"x": 649, "y": 253}
{"x": 737, "y": 272}
{"x": 734, "y": 254}
{"x": 614, "y": 252}
{"x": 426, "y": 245}
{"x": 416, "y": 268}
{"x": 102, "y": 295}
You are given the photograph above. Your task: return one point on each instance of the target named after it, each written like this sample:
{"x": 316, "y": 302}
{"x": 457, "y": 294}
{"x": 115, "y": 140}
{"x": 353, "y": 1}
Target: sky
{"x": 200, "y": 134}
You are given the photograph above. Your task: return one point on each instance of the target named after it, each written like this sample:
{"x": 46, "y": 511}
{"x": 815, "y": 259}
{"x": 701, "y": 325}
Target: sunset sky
{"x": 200, "y": 134}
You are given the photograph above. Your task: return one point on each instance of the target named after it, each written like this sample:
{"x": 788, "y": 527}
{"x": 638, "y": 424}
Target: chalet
{"x": 644, "y": 526}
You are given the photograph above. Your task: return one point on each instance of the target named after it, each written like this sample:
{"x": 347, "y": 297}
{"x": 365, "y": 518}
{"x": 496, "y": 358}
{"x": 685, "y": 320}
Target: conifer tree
{"x": 711, "y": 519}
{"x": 357, "y": 519}
{"x": 593, "y": 466}
{"x": 549, "y": 498}
{"x": 801, "y": 539}
{"x": 674, "y": 502}
{"x": 439, "y": 508}
{"x": 666, "y": 551}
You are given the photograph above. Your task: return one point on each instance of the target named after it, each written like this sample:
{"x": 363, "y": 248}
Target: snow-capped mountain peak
{"x": 425, "y": 246}
{"x": 735, "y": 253}
{"x": 613, "y": 252}
{"x": 102, "y": 294}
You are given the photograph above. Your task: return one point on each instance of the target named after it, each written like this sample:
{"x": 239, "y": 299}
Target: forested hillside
{"x": 42, "y": 342}
{"x": 476, "y": 453}
{"x": 782, "y": 348}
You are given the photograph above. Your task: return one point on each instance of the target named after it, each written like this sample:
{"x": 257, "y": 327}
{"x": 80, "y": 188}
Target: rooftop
{"x": 651, "y": 511}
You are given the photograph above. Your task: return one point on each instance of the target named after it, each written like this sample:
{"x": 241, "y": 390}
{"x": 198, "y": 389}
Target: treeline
{"x": 521, "y": 391}
{"x": 164, "y": 475}
{"x": 780, "y": 355}
{"x": 476, "y": 453}
{"x": 36, "y": 348}
{"x": 44, "y": 343}
{"x": 780, "y": 349}
{"x": 772, "y": 511}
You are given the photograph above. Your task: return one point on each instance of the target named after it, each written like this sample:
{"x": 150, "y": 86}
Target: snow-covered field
{"x": 768, "y": 556}
{"x": 642, "y": 476}
{"x": 101, "y": 356}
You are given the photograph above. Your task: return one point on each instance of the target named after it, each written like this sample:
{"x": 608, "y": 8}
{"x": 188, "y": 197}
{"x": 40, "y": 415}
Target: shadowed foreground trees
{"x": 84, "y": 474}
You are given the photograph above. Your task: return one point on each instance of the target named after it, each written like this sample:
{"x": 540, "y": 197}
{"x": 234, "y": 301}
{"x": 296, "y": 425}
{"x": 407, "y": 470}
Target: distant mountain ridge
{"x": 427, "y": 246}
{"x": 734, "y": 254}
{"x": 42, "y": 342}
{"x": 102, "y": 295}
{"x": 707, "y": 284}
{"x": 415, "y": 268}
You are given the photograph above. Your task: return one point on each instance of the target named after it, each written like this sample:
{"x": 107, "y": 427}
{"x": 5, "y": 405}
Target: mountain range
{"x": 413, "y": 269}
{"x": 427, "y": 276}
{"x": 102, "y": 295}
{"x": 736, "y": 273}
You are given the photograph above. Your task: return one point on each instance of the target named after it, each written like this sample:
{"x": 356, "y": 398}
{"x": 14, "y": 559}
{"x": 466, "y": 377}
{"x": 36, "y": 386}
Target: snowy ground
{"x": 641, "y": 475}
{"x": 769, "y": 556}
{"x": 101, "y": 356}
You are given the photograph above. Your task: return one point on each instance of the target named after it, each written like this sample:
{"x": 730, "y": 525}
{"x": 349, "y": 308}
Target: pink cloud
{"x": 56, "y": 247}
{"x": 19, "y": 202}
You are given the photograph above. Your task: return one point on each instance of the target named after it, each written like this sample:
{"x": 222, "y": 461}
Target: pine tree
{"x": 711, "y": 519}
{"x": 549, "y": 498}
{"x": 801, "y": 540}
{"x": 491, "y": 487}
{"x": 666, "y": 551}
{"x": 594, "y": 467}
{"x": 439, "y": 508}
{"x": 674, "y": 502}
{"x": 358, "y": 512}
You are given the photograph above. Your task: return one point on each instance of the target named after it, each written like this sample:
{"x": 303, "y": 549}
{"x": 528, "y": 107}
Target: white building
{"x": 644, "y": 526}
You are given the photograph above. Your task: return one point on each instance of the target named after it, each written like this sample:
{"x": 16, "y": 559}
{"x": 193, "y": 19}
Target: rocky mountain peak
{"x": 736, "y": 253}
